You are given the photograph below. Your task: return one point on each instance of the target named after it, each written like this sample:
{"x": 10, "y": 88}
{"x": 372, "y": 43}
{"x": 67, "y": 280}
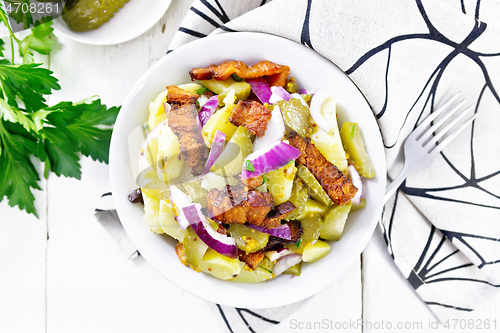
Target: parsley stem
{"x": 12, "y": 36}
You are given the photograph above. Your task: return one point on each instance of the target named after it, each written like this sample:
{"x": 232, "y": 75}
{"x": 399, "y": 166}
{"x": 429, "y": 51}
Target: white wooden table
{"x": 64, "y": 273}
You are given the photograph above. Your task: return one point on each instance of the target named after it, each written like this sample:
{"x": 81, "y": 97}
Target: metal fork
{"x": 422, "y": 146}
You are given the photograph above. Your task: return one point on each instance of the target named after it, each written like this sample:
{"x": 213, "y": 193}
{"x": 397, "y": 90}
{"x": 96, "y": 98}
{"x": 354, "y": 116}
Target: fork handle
{"x": 393, "y": 187}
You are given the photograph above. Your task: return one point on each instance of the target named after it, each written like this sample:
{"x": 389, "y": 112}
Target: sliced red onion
{"x": 208, "y": 109}
{"x": 281, "y": 92}
{"x": 167, "y": 108}
{"x": 275, "y": 255}
{"x": 180, "y": 200}
{"x": 275, "y": 131}
{"x": 261, "y": 89}
{"x": 356, "y": 181}
{"x": 217, "y": 147}
{"x": 303, "y": 91}
{"x": 282, "y": 231}
{"x": 223, "y": 244}
{"x": 274, "y": 157}
{"x": 319, "y": 98}
{"x": 297, "y": 96}
{"x": 286, "y": 262}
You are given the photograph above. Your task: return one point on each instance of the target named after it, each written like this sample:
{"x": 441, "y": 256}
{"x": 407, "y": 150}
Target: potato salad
{"x": 248, "y": 172}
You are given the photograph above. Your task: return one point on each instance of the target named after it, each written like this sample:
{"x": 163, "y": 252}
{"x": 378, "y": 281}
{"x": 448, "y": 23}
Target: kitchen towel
{"x": 442, "y": 228}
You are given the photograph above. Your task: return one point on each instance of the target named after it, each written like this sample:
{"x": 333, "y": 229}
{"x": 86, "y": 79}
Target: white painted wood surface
{"x": 64, "y": 273}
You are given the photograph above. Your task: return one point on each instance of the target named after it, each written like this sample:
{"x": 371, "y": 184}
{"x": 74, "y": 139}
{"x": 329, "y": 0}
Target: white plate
{"x": 312, "y": 71}
{"x": 131, "y": 21}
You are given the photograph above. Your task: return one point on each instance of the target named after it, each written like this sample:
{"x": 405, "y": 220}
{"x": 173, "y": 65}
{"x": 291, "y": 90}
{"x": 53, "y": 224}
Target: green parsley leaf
{"x": 29, "y": 128}
{"x": 351, "y": 134}
{"x": 15, "y": 9}
{"x": 249, "y": 166}
{"x": 236, "y": 77}
{"x": 39, "y": 40}
{"x": 59, "y": 145}
{"x": 264, "y": 179}
{"x": 266, "y": 269}
{"x": 298, "y": 243}
{"x": 17, "y": 172}
{"x": 27, "y": 82}
{"x": 201, "y": 90}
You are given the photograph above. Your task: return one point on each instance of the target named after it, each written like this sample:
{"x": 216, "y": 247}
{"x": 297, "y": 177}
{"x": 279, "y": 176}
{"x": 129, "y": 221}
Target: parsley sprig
{"x": 30, "y": 130}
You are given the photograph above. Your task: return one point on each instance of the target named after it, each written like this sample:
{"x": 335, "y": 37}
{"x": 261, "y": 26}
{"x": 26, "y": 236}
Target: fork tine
{"x": 448, "y": 126}
{"x": 450, "y": 137}
{"x": 420, "y": 128}
{"x": 427, "y": 134}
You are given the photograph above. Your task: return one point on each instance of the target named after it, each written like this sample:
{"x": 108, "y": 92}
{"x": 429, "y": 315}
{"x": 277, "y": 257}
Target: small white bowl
{"x": 135, "y": 18}
{"x": 312, "y": 71}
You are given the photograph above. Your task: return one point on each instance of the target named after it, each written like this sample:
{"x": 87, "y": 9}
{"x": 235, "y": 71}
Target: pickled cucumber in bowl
{"x": 85, "y": 15}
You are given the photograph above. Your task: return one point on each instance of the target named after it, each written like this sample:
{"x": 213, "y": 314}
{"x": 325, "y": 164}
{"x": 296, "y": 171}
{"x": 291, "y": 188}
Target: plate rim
{"x": 353, "y": 254}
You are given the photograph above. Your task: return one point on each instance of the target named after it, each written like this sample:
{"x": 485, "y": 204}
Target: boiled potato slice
{"x": 219, "y": 266}
{"x": 230, "y": 161}
{"x": 170, "y": 165}
{"x": 168, "y": 223}
{"x": 157, "y": 110}
{"x": 252, "y": 276}
{"x": 281, "y": 182}
{"x": 191, "y": 87}
{"x": 218, "y": 121}
{"x": 151, "y": 213}
{"x": 313, "y": 252}
{"x": 218, "y": 86}
{"x": 355, "y": 148}
{"x": 335, "y": 219}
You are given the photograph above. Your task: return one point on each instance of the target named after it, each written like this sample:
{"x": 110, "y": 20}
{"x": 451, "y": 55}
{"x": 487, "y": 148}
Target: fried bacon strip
{"x": 275, "y": 74}
{"x": 183, "y": 122}
{"x": 235, "y": 205}
{"x": 338, "y": 186}
{"x": 252, "y": 115}
{"x": 296, "y": 231}
{"x": 274, "y": 217}
{"x": 251, "y": 259}
{"x": 252, "y": 182}
{"x": 179, "y": 97}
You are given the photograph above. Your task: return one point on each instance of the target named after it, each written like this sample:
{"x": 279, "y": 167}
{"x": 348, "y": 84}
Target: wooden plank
{"x": 335, "y": 308}
{"x": 390, "y": 298}
{"x": 90, "y": 285}
{"x": 23, "y": 240}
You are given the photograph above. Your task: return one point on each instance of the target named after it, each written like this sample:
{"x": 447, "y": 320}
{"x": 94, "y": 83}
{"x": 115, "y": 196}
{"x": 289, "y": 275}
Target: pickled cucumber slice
{"x": 194, "y": 248}
{"x": 335, "y": 219}
{"x": 85, "y": 15}
{"x": 355, "y": 147}
{"x": 248, "y": 240}
{"x": 295, "y": 115}
{"x": 316, "y": 191}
